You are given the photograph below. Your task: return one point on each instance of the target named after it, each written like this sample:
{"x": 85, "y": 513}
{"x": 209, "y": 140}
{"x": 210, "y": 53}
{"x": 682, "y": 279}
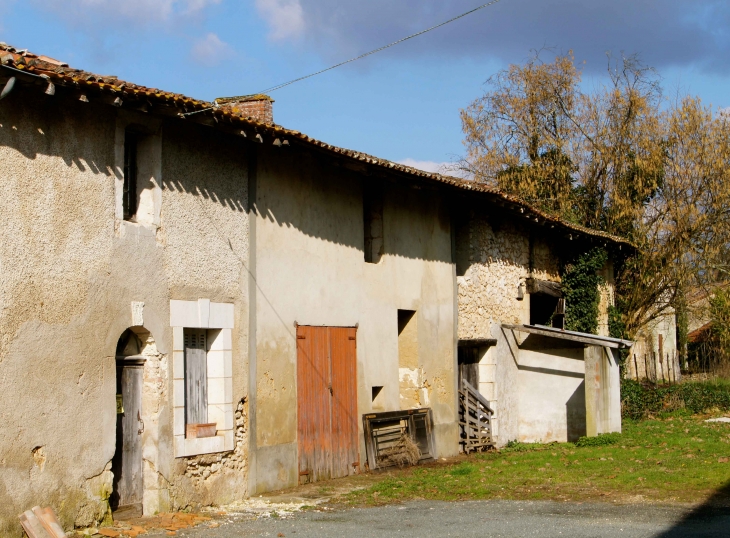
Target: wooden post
{"x": 670, "y": 371}
{"x": 678, "y": 365}
{"x": 636, "y": 367}
{"x": 646, "y": 367}
{"x": 661, "y": 367}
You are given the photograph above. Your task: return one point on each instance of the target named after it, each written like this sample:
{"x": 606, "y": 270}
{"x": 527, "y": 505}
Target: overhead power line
{"x": 278, "y": 87}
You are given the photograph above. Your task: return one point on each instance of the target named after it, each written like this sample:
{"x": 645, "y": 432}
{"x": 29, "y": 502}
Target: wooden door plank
{"x": 130, "y": 485}
{"x": 313, "y": 413}
{"x": 345, "y": 450}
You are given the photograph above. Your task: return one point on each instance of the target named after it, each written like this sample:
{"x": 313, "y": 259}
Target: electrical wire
{"x": 278, "y": 87}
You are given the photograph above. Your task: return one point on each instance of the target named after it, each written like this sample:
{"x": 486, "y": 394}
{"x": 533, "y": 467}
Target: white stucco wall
{"x": 69, "y": 273}
{"x": 311, "y": 270}
{"x": 551, "y": 395}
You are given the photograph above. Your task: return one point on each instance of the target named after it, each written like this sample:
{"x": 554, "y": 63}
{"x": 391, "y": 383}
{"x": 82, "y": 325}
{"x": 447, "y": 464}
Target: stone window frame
{"x": 152, "y": 127}
{"x": 218, "y": 319}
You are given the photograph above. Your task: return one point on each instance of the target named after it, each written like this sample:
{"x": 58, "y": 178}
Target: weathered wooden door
{"x": 127, "y": 463}
{"x": 327, "y": 402}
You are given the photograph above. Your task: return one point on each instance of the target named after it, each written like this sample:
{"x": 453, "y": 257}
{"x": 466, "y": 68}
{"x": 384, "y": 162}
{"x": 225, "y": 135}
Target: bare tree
{"x": 619, "y": 159}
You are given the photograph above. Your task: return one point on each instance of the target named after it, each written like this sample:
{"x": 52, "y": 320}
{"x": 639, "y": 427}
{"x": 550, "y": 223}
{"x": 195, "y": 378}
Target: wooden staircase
{"x": 475, "y": 419}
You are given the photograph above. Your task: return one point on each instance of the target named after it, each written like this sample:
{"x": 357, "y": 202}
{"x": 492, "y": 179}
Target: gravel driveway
{"x": 479, "y": 519}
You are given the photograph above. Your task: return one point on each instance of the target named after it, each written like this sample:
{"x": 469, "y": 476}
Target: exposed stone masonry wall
{"x": 499, "y": 261}
{"x": 204, "y": 469}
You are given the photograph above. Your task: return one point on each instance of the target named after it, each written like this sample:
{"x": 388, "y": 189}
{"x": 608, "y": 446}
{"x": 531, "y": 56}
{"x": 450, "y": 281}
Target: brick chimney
{"x": 256, "y": 107}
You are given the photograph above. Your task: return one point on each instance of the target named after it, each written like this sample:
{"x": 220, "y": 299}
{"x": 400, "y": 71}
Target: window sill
{"x": 223, "y": 442}
{"x": 137, "y": 229}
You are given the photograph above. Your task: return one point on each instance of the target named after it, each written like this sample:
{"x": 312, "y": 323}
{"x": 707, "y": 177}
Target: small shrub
{"x": 602, "y": 439}
{"x": 463, "y": 470}
{"x": 517, "y": 446}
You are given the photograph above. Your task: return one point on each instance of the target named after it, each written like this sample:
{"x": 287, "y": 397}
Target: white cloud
{"x": 665, "y": 32}
{"x": 210, "y": 49}
{"x": 193, "y": 6}
{"x": 285, "y": 18}
{"x": 426, "y": 166}
{"x": 140, "y": 11}
{"x": 445, "y": 168}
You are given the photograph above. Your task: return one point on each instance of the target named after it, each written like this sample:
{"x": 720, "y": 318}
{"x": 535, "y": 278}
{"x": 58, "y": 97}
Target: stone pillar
{"x": 613, "y": 390}
{"x": 603, "y": 391}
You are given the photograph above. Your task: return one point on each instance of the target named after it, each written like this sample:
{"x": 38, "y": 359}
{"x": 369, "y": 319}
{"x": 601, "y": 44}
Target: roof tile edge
{"x": 59, "y": 73}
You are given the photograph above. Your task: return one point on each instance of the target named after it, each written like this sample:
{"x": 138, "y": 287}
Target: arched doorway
{"x": 128, "y": 485}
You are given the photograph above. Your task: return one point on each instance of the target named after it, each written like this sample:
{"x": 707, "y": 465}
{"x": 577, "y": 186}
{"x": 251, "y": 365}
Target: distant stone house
{"x": 199, "y": 305}
{"x": 655, "y": 355}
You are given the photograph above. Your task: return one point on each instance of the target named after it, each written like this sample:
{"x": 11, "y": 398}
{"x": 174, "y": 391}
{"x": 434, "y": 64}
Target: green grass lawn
{"x": 674, "y": 458}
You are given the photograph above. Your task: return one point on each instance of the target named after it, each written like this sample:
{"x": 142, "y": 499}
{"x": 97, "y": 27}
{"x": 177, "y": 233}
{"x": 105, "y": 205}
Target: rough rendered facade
{"x": 186, "y": 300}
{"x": 536, "y": 385}
{"x": 72, "y": 271}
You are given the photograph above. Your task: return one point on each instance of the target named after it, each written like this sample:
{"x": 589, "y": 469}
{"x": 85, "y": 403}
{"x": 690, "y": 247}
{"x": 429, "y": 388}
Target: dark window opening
{"x": 404, "y": 317}
{"x": 376, "y": 392}
{"x": 373, "y": 220}
{"x": 462, "y": 246}
{"x": 468, "y": 359}
{"x": 542, "y": 309}
{"x": 129, "y": 191}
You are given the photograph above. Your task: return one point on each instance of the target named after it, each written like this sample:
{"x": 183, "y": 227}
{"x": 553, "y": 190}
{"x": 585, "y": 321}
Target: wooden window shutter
{"x": 196, "y": 376}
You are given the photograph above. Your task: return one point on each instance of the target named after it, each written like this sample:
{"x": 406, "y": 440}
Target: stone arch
{"x": 137, "y": 350}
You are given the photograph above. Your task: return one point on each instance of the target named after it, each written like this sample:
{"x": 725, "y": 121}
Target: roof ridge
{"x": 60, "y": 73}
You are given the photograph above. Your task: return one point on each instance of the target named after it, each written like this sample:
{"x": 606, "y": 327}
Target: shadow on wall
{"x": 83, "y": 135}
{"x": 206, "y": 163}
{"x": 309, "y": 193}
{"x": 575, "y": 409}
{"x": 711, "y": 518}
{"x": 34, "y": 125}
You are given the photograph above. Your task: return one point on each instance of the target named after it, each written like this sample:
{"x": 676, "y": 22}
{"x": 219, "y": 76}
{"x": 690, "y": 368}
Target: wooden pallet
{"x": 475, "y": 419}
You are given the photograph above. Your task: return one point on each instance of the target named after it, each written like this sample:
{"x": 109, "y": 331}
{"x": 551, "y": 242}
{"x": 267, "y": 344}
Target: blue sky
{"x": 402, "y": 104}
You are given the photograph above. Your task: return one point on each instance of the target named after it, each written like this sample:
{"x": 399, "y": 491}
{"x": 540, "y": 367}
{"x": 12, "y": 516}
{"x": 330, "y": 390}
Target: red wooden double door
{"x": 327, "y": 402}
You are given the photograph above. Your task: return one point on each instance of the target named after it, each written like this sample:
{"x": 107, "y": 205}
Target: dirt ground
{"x": 323, "y": 510}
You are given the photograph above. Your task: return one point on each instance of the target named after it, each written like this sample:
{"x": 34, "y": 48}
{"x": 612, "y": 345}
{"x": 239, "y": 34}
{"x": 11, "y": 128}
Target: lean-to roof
{"x": 122, "y": 93}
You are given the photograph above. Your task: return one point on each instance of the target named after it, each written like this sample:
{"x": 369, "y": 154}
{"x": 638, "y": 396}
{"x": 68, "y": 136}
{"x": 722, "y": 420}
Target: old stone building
{"x": 198, "y": 304}
{"x": 536, "y": 378}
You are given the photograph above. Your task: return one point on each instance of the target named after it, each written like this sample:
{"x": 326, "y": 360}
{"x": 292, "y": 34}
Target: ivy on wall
{"x": 581, "y": 283}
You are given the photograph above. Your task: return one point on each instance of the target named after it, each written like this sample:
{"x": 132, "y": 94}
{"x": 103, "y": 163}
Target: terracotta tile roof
{"x": 61, "y": 74}
{"x": 701, "y": 334}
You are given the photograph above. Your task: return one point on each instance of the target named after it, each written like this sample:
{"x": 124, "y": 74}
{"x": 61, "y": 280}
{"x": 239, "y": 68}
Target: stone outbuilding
{"x": 198, "y": 305}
